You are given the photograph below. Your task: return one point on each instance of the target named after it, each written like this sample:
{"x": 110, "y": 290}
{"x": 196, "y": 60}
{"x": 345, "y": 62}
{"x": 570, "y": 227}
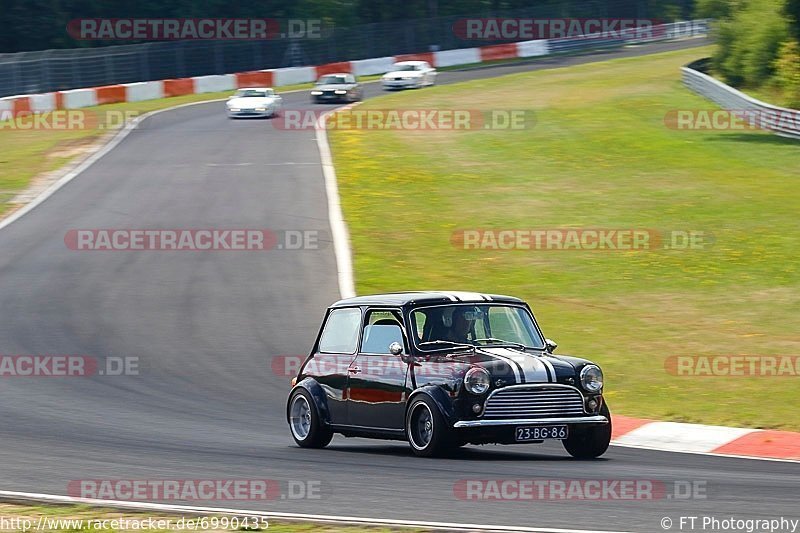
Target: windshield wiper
{"x": 503, "y": 341}
{"x": 449, "y": 343}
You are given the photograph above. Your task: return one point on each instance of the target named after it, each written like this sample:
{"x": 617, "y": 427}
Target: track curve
{"x": 205, "y": 327}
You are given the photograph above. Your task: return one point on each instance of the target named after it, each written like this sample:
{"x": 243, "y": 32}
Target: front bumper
{"x": 325, "y": 97}
{"x": 595, "y": 419}
{"x": 400, "y": 84}
{"x": 243, "y": 113}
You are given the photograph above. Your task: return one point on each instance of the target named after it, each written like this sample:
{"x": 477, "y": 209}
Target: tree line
{"x": 758, "y": 44}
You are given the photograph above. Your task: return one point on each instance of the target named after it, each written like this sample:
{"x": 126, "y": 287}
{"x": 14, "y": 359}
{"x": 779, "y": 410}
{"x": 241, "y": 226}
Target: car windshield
{"x": 251, "y": 93}
{"x": 457, "y": 325}
{"x": 332, "y": 80}
{"x": 401, "y": 68}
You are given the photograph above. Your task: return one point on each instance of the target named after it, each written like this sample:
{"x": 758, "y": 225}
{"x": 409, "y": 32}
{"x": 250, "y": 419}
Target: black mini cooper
{"x": 441, "y": 370}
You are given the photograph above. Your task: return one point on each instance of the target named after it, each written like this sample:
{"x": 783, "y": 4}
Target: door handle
{"x": 354, "y": 370}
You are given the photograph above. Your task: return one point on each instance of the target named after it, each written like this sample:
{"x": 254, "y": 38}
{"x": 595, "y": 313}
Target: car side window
{"x": 383, "y": 327}
{"x": 420, "y": 319}
{"x": 341, "y": 331}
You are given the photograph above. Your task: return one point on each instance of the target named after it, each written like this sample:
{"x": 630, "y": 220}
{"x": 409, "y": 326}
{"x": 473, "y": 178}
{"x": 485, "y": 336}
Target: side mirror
{"x": 550, "y": 345}
{"x": 397, "y": 349}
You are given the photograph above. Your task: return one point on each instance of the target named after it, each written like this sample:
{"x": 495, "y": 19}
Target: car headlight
{"x": 340, "y": 91}
{"x": 592, "y": 378}
{"x": 261, "y": 109}
{"x": 316, "y": 93}
{"x": 477, "y": 380}
{"x": 234, "y": 109}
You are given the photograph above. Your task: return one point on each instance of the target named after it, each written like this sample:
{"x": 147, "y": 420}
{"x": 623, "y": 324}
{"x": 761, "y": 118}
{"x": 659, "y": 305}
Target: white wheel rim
{"x": 300, "y": 417}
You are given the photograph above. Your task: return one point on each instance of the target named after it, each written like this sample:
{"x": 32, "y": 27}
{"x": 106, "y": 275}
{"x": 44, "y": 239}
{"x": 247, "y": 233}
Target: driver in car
{"x": 462, "y": 322}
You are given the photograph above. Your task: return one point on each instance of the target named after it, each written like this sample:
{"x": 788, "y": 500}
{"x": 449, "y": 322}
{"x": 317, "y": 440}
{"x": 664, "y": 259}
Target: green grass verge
{"x": 599, "y": 156}
{"x": 85, "y": 518}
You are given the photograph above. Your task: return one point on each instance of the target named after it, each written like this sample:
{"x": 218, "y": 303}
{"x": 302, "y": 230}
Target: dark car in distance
{"x": 441, "y": 370}
{"x": 336, "y": 88}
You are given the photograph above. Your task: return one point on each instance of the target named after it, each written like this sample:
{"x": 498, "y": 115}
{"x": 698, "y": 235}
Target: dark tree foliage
{"x": 793, "y": 14}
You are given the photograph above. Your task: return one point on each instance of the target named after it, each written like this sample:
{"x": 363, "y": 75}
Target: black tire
{"x": 589, "y": 442}
{"x": 305, "y": 423}
{"x": 426, "y": 429}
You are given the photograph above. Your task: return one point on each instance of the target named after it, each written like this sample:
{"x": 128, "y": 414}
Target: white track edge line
{"x": 339, "y": 233}
{"x": 352, "y": 520}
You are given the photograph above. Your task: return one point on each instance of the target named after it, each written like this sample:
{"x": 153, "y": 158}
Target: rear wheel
{"x": 426, "y": 428}
{"x": 305, "y": 422}
{"x": 591, "y": 441}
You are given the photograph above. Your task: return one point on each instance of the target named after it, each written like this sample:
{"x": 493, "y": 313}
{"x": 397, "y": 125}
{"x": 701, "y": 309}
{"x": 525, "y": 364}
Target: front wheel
{"x": 426, "y": 428}
{"x": 589, "y": 442}
{"x": 305, "y": 422}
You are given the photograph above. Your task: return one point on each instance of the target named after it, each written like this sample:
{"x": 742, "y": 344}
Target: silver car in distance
{"x": 254, "y": 102}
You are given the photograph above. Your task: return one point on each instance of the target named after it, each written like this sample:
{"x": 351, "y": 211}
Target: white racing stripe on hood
{"x": 532, "y": 368}
{"x": 550, "y": 366}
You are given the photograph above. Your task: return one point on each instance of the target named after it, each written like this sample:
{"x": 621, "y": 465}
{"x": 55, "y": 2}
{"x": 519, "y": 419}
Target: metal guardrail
{"x": 663, "y": 32}
{"x": 779, "y": 120}
{"x": 58, "y": 70}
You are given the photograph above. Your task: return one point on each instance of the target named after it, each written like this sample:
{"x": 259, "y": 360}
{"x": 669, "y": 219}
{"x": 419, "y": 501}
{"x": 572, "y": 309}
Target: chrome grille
{"x": 534, "y": 402}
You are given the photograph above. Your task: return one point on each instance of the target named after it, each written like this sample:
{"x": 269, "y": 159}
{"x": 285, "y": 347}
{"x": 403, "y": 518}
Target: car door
{"x": 334, "y": 354}
{"x": 376, "y": 378}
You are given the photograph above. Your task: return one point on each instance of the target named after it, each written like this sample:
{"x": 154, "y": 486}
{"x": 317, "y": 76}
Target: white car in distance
{"x": 254, "y": 102}
{"x": 409, "y": 75}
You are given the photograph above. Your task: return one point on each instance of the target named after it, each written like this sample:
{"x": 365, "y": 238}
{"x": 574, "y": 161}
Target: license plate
{"x": 526, "y": 433}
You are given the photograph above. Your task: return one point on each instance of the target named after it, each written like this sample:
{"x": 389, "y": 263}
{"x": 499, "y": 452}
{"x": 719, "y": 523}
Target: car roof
{"x": 415, "y": 62}
{"x": 337, "y": 74}
{"x": 417, "y": 298}
{"x": 254, "y": 89}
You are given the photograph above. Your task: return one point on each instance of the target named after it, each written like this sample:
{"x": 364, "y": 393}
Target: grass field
{"x": 599, "y": 156}
{"x": 68, "y": 518}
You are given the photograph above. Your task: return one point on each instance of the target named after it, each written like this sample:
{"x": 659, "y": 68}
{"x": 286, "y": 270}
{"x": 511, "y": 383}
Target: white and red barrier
{"x": 370, "y": 67}
{"x": 151, "y": 90}
{"x": 145, "y": 90}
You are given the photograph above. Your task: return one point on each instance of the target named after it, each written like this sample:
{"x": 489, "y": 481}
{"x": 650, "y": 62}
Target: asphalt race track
{"x": 206, "y": 326}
